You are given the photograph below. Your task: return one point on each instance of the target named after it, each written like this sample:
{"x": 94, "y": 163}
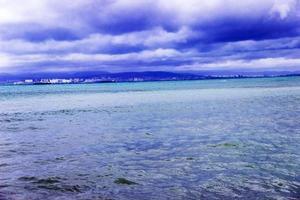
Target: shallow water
{"x": 214, "y": 139}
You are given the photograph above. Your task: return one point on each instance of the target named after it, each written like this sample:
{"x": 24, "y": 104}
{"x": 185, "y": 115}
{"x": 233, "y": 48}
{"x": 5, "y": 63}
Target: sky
{"x": 149, "y": 35}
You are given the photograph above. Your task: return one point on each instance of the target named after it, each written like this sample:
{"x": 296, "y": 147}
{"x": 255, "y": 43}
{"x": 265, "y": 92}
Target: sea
{"x": 206, "y": 139}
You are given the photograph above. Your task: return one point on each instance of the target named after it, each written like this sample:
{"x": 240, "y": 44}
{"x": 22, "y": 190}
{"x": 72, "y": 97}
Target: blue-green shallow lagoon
{"x": 214, "y": 139}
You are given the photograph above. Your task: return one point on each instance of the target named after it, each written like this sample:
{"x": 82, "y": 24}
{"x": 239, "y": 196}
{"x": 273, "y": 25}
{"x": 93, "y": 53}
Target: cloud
{"x": 280, "y": 63}
{"x": 283, "y": 7}
{"x": 131, "y": 35}
{"x": 102, "y": 43}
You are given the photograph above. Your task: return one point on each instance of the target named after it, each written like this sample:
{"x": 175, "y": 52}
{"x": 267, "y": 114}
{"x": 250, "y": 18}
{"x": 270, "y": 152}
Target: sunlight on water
{"x": 161, "y": 140}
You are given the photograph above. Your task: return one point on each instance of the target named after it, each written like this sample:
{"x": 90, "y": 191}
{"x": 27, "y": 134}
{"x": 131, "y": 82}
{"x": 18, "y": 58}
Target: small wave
{"x": 4, "y": 165}
{"x": 51, "y": 183}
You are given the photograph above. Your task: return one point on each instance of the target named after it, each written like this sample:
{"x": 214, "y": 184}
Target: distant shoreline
{"x": 8, "y": 83}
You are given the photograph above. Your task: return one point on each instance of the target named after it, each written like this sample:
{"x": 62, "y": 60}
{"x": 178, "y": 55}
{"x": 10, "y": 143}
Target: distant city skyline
{"x": 52, "y": 36}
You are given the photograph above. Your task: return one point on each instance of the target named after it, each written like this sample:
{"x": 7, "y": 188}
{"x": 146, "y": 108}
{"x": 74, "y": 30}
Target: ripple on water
{"x": 51, "y": 183}
{"x": 12, "y": 119}
{"x": 6, "y": 144}
{"x": 4, "y": 165}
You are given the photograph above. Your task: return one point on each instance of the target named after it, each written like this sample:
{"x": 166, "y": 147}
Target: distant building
{"x": 18, "y": 83}
{"x": 28, "y": 81}
{"x": 45, "y": 81}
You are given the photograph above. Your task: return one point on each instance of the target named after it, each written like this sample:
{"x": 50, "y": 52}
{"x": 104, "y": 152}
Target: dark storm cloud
{"x": 37, "y": 33}
{"x": 131, "y": 35}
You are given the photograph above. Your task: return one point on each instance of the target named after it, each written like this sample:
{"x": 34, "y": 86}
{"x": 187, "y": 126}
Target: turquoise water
{"x": 213, "y": 139}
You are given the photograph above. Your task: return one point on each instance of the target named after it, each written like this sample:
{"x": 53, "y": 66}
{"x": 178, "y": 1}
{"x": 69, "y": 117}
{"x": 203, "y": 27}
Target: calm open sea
{"x": 211, "y": 139}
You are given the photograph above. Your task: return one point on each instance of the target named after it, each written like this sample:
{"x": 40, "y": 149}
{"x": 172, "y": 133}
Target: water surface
{"x": 213, "y": 139}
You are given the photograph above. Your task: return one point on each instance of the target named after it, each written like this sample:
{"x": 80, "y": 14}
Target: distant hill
{"x": 155, "y": 75}
{"x": 16, "y": 77}
{"x": 124, "y": 76}
{"x": 101, "y": 76}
